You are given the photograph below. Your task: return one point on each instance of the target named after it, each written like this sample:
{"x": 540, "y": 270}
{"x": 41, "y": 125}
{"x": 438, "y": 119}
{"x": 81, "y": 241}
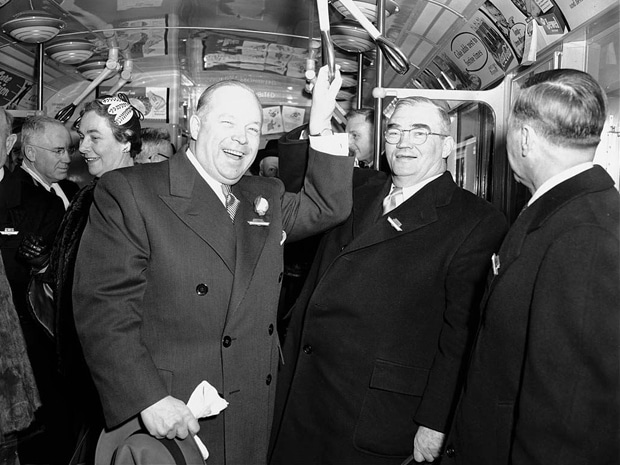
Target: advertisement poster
{"x": 143, "y": 39}
{"x": 272, "y": 120}
{"x": 577, "y": 12}
{"x": 460, "y": 79}
{"x": 222, "y": 52}
{"x": 545, "y": 12}
{"x": 151, "y": 101}
{"x": 292, "y": 117}
{"x": 13, "y": 89}
{"x": 480, "y": 49}
{"x": 509, "y": 21}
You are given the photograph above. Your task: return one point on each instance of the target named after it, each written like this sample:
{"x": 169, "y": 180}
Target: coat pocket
{"x": 385, "y": 425}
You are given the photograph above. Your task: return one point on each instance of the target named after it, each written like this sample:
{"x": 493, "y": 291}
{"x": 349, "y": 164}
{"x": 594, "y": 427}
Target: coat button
{"x": 450, "y": 452}
{"x": 202, "y": 289}
{"x": 307, "y": 349}
{"x": 270, "y": 329}
{"x": 268, "y": 380}
{"x": 227, "y": 341}
{"x": 280, "y": 277}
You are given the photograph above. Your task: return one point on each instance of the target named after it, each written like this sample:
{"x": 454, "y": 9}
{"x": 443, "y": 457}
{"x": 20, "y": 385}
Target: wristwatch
{"x": 324, "y": 132}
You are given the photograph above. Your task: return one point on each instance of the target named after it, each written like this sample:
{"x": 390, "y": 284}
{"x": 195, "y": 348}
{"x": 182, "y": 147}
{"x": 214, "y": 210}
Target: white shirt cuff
{"x": 337, "y": 144}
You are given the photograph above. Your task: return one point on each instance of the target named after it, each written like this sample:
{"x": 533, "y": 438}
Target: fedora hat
{"x": 130, "y": 444}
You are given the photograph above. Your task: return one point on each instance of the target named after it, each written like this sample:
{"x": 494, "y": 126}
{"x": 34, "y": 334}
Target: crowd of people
{"x": 421, "y": 327}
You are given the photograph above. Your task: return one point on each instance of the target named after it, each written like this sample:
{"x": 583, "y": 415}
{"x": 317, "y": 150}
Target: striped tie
{"x": 232, "y": 202}
{"x": 393, "y": 200}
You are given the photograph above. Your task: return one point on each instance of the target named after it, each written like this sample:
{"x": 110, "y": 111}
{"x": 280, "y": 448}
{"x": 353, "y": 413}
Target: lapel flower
{"x": 261, "y": 205}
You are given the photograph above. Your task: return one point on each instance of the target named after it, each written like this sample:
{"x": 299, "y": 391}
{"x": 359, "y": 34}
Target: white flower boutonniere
{"x": 261, "y": 206}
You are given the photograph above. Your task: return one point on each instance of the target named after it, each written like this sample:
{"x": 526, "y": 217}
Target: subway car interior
{"x": 472, "y": 55}
{"x": 54, "y": 55}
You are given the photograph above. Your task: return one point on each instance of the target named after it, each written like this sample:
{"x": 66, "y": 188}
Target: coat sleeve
{"x": 568, "y": 408}
{"x": 464, "y": 287}
{"x": 108, "y": 288}
{"x": 324, "y": 201}
{"x": 293, "y": 159}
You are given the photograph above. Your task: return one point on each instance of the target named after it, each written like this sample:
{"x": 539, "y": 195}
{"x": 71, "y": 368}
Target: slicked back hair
{"x": 565, "y": 106}
{"x": 205, "y": 99}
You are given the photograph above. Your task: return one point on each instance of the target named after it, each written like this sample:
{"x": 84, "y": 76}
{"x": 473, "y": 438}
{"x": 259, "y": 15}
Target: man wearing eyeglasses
{"x": 33, "y": 199}
{"x": 46, "y": 159}
{"x": 375, "y": 348}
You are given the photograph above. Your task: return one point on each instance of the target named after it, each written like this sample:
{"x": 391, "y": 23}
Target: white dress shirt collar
{"x": 215, "y": 185}
{"x": 409, "y": 191}
{"x": 558, "y": 179}
{"x": 48, "y": 187}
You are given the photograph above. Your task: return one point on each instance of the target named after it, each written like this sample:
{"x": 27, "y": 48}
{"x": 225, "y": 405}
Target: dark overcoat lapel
{"x": 195, "y": 203}
{"x": 371, "y": 227}
{"x": 250, "y": 241}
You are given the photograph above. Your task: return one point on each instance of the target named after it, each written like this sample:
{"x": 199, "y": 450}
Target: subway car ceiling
{"x": 170, "y": 48}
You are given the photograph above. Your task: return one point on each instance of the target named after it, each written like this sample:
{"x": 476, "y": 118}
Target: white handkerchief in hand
{"x": 205, "y": 402}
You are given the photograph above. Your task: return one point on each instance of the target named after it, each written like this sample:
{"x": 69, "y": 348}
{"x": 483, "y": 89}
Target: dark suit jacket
{"x": 28, "y": 208}
{"x": 379, "y": 332}
{"x": 168, "y": 292}
{"x": 543, "y": 386}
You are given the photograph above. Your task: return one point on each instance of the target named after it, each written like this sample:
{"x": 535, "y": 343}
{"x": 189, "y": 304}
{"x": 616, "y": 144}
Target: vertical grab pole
{"x": 40, "y": 57}
{"x": 360, "y": 80}
{"x": 379, "y": 81}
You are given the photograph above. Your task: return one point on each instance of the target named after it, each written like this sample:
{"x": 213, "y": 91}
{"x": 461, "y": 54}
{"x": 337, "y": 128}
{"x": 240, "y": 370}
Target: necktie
{"x": 232, "y": 202}
{"x": 393, "y": 200}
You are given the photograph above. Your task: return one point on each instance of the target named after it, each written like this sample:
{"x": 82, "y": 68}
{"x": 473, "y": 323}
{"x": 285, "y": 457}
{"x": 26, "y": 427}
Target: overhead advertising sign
{"x": 220, "y": 52}
{"x": 578, "y": 12}
{"x": 480, "y": 49}
{"x": 13, "y": 89}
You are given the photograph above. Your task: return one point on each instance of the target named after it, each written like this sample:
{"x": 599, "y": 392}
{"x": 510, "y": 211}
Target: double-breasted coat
{"x": 169, "y": 292}
{"x": 377, "y": 337}
{"x": 543, "y": 386}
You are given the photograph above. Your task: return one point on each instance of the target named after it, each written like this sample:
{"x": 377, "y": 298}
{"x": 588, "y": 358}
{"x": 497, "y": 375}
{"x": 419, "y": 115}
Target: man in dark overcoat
{"x": 543, "y": 384}
{"x": 377, "y": 339}
{"x": 179, "y": 272}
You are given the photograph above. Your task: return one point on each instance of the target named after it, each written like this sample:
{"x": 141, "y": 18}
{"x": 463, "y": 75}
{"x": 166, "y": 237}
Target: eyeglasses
{"x": 59, "y": 152}
{"x": 417, "y": 136}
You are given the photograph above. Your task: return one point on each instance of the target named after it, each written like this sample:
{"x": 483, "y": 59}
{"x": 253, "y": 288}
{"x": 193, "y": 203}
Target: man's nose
{"x": 241, "y": 137}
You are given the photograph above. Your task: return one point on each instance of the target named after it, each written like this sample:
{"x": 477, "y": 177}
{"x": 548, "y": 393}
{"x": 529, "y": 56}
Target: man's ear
{"x": 29, "y": 153}
{"x": 194, "y": 126}
{"x": 10, "y": 142}
{"x": 448, "y": 147}
{"x": 528, "y": 139}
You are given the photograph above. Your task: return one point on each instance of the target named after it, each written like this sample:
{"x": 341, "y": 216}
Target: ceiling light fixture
{"x": 70, "y": 51}
{"x": 349, "y": 36}
{"x": 92, "y": 68}
{"x": 368, "y": 7}
{"x": 33, "y": 27}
